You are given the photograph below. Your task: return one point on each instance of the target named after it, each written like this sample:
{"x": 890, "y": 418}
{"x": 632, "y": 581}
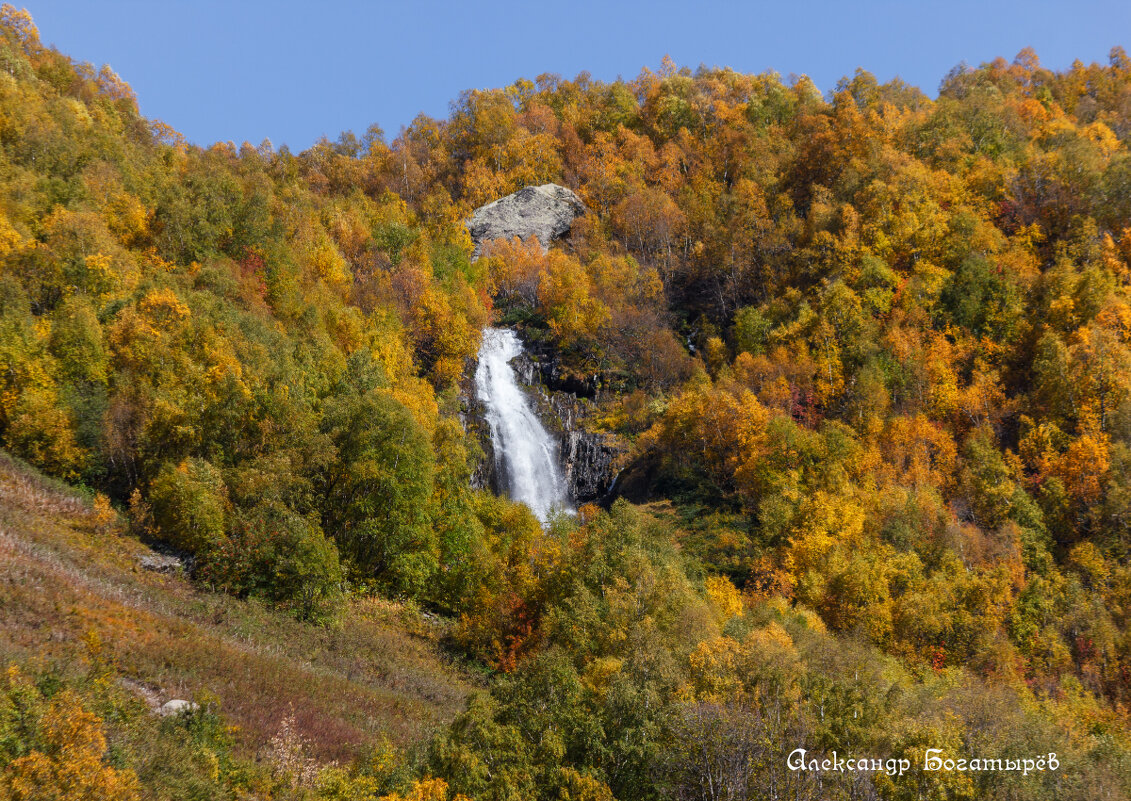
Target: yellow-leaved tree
{"x": 69, "y": 763}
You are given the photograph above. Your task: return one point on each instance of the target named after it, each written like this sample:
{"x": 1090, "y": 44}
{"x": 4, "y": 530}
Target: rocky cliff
{"x": 590, "y": 461}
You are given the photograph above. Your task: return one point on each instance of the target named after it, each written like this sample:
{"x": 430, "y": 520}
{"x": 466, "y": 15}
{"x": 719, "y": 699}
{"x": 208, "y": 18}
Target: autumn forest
{"x": 865, "y": 356}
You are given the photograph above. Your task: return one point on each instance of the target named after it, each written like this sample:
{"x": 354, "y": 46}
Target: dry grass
{"x": 64, "y": 575}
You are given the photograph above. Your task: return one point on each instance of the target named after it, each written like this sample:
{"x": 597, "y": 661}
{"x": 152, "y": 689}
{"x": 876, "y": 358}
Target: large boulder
{"x": 545, "y": 212}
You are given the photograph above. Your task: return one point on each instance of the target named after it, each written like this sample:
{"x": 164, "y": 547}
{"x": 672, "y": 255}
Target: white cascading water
{"x": 526, "y": 452}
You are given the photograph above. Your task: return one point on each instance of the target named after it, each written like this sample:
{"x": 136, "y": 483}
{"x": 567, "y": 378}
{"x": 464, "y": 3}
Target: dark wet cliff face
{"x": 591, "y": 463}
{"x": 472, "y": 415}
{"x": 589, "y": 460}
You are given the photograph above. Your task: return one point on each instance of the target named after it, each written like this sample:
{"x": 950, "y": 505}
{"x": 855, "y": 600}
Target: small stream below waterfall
{"x": 527, "y": 454}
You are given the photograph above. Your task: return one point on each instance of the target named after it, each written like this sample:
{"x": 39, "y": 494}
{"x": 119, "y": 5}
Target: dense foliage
{"x": 872, "y": 352}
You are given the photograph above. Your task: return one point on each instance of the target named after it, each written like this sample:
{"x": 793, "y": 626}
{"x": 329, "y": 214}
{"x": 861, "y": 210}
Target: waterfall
{"x": 523, "y": 448}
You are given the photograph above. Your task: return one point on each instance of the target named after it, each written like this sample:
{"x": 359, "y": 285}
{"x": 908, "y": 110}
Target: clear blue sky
{"x": 292, "y": 72}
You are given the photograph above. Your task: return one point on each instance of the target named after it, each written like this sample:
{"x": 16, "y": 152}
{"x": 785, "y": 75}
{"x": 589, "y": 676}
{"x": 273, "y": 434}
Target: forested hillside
{"x": 869, "y": 355}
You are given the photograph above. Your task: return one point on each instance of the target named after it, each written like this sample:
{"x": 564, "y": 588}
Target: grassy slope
{"x": 380, "y": 673}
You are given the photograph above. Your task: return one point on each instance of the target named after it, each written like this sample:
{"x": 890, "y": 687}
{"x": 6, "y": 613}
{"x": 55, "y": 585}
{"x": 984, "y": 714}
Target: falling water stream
{"x": 526, "y": 453}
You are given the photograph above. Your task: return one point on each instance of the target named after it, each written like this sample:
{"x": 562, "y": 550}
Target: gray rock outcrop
{"x": 546, "y": 212}
{"x": 161, "y": 563}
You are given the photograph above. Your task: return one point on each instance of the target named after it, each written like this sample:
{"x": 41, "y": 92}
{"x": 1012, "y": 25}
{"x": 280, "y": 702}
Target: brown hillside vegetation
{"x": 68, "y": 580}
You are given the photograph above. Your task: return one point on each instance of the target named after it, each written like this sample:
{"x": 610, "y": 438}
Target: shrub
{"x": 274, "y": 553}
{"x": 189, "y": 504}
